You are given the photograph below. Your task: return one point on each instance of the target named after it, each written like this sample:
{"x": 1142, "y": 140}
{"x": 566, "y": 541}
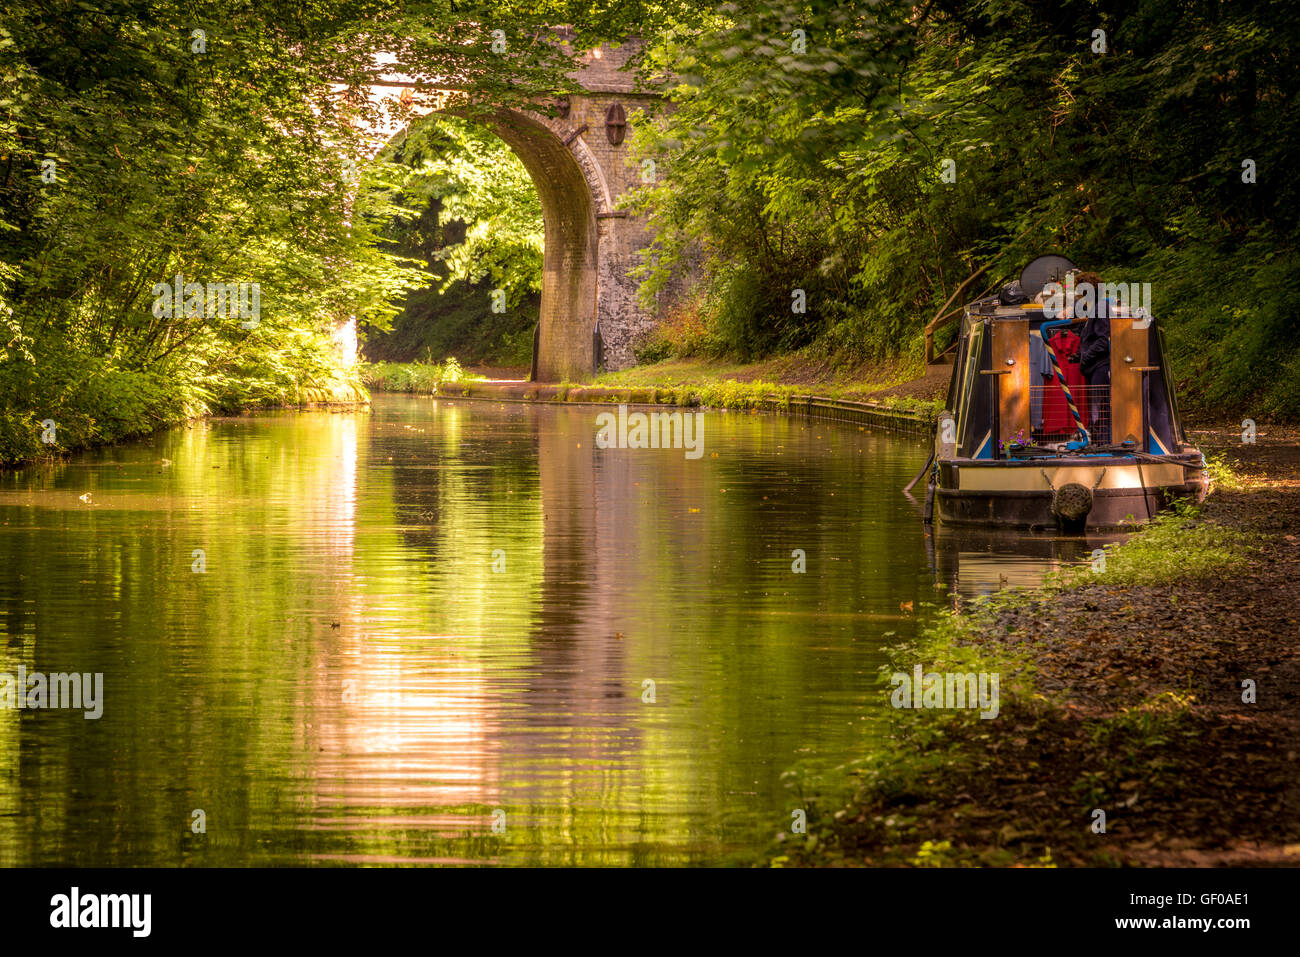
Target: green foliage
{"x": 823, "y": 170}
{"x": 1230, "y": 309}
{"x": 1133, "y": 743}
{"x": 420, "y": 377}
{"x": 469, "y": 205}
{"x": 904, "y": 403}
{"x": 679, "y": 333}
{"x": 456, "y": 322}
{"x": 470, "y": 211}
{"x": 1144, "y": 726}
{"x": 221, "y": 166}
{"x": 1174, "y": 546}
{"x": 224, "y": 159}
{"x": 933, "y": 854}
{"x": 1222, "y": 474}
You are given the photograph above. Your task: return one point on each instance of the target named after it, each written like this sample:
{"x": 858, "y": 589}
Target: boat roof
{"x": 992, "y": 308}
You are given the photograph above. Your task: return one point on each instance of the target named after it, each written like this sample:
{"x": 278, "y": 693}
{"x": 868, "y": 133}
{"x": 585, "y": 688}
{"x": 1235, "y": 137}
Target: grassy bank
{"x": 702, "y": 383}
{"x": 1121, "y": 694}
{"x": 902, "y": 383}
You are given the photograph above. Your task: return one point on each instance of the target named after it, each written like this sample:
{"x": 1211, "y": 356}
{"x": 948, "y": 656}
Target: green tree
{"x": 821, "y": 165}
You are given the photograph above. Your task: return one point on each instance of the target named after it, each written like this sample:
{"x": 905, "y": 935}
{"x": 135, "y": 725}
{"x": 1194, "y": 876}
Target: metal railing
{"x": 1056, "y": 423}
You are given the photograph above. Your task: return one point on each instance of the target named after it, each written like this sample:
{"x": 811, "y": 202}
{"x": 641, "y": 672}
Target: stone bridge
{"x": 579, "y": 162}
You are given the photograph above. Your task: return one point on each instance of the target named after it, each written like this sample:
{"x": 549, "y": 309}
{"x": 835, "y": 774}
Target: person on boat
{"x": 1094, "y": 357}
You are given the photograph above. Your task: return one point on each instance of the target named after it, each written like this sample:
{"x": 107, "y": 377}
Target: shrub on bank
{"x": 93, "y": 400}
{"x": 418, "y": 377}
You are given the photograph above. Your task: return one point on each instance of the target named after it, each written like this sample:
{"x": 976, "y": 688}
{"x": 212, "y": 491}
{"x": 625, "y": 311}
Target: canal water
{"x": 456, "y": 632}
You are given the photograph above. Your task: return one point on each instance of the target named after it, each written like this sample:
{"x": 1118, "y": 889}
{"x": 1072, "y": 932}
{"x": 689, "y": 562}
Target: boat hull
{"x": 1023, "y": 494}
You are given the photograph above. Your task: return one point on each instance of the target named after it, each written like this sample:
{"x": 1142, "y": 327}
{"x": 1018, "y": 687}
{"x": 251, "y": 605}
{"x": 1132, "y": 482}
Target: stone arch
{"x": 573, "y": 194}
{"x": 590, "y": 247}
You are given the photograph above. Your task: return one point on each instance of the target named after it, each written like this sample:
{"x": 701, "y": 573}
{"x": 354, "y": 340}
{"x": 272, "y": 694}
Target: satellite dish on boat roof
{"x": 1041, "y": 271}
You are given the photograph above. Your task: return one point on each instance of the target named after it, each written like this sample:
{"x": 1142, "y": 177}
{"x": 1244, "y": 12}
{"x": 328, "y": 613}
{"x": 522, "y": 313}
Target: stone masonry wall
{"x": 623, "y": 323}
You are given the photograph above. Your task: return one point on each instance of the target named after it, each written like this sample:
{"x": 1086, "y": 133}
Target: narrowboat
{"x": 1025, "y": 442}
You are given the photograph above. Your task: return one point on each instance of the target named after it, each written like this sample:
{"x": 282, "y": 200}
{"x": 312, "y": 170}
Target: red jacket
{"x": 1056, "y": 411}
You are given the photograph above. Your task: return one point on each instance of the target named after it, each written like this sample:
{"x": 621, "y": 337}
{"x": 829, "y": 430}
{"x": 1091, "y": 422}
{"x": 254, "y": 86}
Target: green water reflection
{"x": 350, "y": 680}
